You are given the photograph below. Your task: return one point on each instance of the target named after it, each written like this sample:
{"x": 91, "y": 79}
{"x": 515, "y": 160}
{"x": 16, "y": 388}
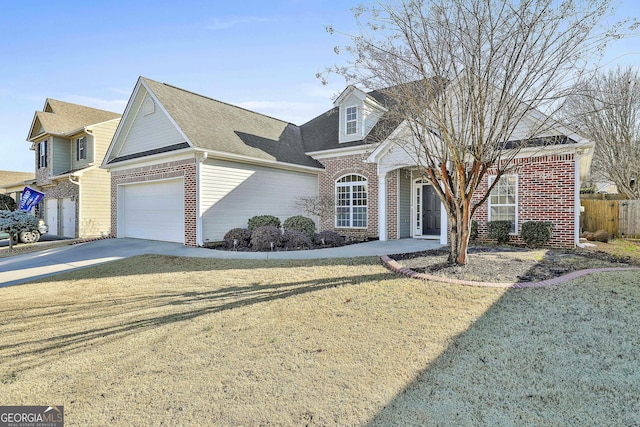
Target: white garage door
{"x": 68, "y": 220}
{"x": 51, "y": 215}
{"x": 153, "y": 211}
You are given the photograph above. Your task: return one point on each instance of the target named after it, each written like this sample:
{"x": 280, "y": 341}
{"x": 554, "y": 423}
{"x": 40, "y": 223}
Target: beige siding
{"x": 233, "y": 192}
{"x": 150, "y": 131}
{"x": 95, "y": 192}
{"x": 60, "y": 155}
{"x": 95, "y": 203}
{"x": 102, "y": 135}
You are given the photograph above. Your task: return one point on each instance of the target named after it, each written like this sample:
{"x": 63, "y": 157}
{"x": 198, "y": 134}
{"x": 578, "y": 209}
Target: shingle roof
{"x": 62, "y": 117}
{"x": 10, "y": 177}
{"x": 213, "y": 125}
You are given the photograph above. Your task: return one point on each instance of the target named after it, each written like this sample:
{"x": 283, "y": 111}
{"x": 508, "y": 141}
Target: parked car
{"x": 28, "y": 236}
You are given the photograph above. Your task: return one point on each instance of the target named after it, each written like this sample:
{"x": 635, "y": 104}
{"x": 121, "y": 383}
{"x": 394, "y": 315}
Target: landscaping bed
{"x": 512, "y": 264}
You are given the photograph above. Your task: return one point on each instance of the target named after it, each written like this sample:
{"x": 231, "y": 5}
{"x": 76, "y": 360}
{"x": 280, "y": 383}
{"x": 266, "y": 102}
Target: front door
{"x": 430, "y": 211}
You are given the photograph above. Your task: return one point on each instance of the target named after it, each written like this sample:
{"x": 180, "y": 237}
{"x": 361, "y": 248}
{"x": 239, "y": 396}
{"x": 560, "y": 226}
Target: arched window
{"x": 351, "y": 201}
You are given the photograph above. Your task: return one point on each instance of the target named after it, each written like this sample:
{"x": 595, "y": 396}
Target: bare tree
{"x": 606, "y": 109}
{"x": 462, "y": 76}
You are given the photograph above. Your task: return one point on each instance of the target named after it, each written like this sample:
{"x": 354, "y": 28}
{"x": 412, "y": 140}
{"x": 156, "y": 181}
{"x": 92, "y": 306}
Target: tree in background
{"x": 606, "y": 109}
{"x": 462, "y": 74}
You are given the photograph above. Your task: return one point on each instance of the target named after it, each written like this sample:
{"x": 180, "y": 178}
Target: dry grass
{"x": 156, "y": 340}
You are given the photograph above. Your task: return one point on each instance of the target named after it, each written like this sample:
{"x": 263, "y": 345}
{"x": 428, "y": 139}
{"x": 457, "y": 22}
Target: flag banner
{"x": 29, "y": 199}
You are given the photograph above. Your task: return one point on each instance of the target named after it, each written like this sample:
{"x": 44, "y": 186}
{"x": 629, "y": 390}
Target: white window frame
{"x": 42, "y": 150}
{"x": 81, "y": 148}
{"x": 514, "y": 229}
{"x": 348, "y": 120}
{"x": 350, "y": 209}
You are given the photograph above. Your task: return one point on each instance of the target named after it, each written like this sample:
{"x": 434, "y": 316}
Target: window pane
{"x": 351, "y": 201}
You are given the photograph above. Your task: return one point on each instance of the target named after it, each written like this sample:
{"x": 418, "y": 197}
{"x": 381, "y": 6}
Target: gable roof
{"x": 61, "y": 118}
{"x": 322, "y": 132}
{"x": 215, "y": 126}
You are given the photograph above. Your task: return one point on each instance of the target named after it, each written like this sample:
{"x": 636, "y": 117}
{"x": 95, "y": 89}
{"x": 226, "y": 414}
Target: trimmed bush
{"x": 536, "y": 233}
{"x": 329, "y": 238}
{"x": 294, "y": 239}
{"x": 302, "y": 224}
{"x": 266, "y": 238}
{"x": 241, "y": 237}
{"x": 499, "y": 231}
{"x": 263, "y": 221}
{"x": 473, "y": 235}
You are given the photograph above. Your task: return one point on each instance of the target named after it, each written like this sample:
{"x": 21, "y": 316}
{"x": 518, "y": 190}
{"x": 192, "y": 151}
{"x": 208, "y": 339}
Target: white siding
{"x": 404, "y": 204}
{"x": 150, "y": 131}
{"x": 234, "y": 192}
{"x": 371, "y": 117}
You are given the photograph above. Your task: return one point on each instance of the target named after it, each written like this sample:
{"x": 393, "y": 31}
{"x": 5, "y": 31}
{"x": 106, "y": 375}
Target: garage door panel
{"x": 154, "y": 211}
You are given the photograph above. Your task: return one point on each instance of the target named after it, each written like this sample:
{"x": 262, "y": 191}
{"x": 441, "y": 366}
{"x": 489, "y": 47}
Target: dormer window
{"x": 42, "y": 154}
{"x": 81, "y": 148}
{"x": 351, "y": 117}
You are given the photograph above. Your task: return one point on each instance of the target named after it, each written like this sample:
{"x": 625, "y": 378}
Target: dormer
{"x": 359, "y": 112}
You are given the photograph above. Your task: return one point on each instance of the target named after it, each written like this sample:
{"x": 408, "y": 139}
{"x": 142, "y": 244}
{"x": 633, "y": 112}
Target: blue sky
{"x": 262, "y": 55}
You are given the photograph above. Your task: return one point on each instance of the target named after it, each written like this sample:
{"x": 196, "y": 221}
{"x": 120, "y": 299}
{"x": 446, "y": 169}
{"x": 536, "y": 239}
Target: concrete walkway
{"x": 22, "y": 268}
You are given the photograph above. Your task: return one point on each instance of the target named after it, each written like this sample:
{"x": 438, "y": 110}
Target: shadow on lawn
{"x": 143, "y": 312}
{"x": 563, "y": 355}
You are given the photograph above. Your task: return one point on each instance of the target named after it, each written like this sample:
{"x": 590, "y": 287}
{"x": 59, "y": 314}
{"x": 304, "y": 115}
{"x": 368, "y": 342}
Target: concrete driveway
{"x": 22, "y": 268}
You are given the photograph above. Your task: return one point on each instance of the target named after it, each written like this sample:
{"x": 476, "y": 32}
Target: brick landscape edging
{"x": 395, "y": 266}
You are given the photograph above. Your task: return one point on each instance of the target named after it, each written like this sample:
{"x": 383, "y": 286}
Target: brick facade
{"x": 337, "y": 167}
{"x": 185, "y": 169}
{"x": 546, "y": 192}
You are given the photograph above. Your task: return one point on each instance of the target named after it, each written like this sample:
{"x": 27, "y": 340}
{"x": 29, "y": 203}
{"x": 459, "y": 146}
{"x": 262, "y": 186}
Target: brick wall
{"x": 178, "y": 169}
{"x": 545, "y": 193}
{"x": 393, "y": 183}
{"x": 337, "y": 167}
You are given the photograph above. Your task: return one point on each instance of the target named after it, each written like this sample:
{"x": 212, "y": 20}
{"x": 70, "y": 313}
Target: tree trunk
{"x": 460, "y": 223}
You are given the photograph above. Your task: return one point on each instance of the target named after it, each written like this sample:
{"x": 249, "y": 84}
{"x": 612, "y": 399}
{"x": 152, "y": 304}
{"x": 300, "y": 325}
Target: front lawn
{"x": 156, "y": 340}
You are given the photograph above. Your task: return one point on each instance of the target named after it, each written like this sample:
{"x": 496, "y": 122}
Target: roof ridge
{"x": 75, "y": 105}
{"x": 222, "y": 102}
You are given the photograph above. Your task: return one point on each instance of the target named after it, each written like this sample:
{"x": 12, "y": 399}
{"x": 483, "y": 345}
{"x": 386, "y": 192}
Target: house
{"x": 69, "y": 142}
{"x": 188, "y": 168}
{"x": 12, "y": 183}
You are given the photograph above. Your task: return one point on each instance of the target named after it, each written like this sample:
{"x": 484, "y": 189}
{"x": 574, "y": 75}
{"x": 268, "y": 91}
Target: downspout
{"x": 580, "y": 152}
{"x": 78, "y": 216}
{"x": 199, "y": 236}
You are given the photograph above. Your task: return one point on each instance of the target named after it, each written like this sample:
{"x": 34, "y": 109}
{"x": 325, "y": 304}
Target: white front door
{"x": 51, "y": 215}
{"x": 68, "y": 218}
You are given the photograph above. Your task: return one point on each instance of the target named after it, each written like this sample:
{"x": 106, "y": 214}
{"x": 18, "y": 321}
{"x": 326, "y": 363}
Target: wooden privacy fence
{"x": 629, "y": 219}
{"x": 617, "y": 217}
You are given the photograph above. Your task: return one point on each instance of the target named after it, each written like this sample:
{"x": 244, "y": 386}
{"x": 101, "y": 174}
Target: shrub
{"x": 473, "y": 235}
{"x": 294, "y": 239}
{"x": 266, "y": 238}
{"x": 329, "y": 238}
{"x": 7, "y": 203}
{"x": 499, "y": 230}
{"x": 237, "y": 238}
{"x": 302, "y": 224}
{"x": 263, "y": 221}
{"x": 536, "y": 233}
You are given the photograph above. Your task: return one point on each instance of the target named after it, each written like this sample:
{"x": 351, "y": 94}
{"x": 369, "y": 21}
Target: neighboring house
{"x": 70, "y": 141}
{"x": 12, "y": 183}
{"x": 187, "y": 168}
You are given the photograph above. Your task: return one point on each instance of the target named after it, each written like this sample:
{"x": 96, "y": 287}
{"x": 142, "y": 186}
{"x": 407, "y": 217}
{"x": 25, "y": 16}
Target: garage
{"x": 153, "y": 211}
